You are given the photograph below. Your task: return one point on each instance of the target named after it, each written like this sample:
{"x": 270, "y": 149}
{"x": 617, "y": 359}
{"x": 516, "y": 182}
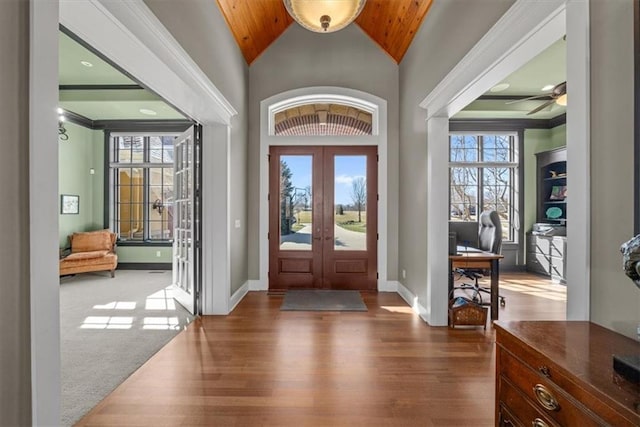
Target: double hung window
{"x": 483, "y": 170}
{"x": 141, "y": 186}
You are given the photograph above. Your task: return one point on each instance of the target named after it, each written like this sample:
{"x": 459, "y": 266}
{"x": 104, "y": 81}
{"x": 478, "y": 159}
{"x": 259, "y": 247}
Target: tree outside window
{"x": 482, "y": 176}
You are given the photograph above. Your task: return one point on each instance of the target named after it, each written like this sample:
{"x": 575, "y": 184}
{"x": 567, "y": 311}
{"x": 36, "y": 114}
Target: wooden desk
{"x": 479, "y": 260}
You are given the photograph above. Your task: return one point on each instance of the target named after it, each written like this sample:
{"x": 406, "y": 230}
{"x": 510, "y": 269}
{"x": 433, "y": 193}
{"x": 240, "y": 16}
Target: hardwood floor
{"x": 263, "y": 367}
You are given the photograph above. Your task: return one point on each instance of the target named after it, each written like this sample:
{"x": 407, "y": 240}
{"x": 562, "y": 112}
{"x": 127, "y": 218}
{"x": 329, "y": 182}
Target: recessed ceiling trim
{"x": 510, "y": 97}
{"x": 100, "y": 87}
{"x": 464, "y": 125}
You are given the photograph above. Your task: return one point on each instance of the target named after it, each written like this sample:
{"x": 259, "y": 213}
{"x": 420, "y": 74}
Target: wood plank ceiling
{"x": 256, "y": 24}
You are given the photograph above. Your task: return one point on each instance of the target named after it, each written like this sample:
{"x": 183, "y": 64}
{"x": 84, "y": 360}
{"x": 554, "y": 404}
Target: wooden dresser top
{"x": 583, "y": 350}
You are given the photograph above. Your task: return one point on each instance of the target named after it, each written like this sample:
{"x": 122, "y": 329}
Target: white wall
{"x": 449, "y": 31}
{"x": 198, "y": 25}
{"x": 615, "y": 301}
{"x": 300, "y": 58}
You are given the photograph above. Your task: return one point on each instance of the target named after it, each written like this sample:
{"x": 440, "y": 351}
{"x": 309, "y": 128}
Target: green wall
{"x": 77, "y": 156}
{"x": 144, "y": 254}
{"x": 536, "y": 141}
{"x": 83, "y": 151}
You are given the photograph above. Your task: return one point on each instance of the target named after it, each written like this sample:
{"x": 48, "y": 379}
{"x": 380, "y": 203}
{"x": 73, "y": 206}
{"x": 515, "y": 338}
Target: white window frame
{"x": 511, "y": 235}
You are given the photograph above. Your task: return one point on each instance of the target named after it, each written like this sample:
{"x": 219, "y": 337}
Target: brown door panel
{"x": 326, "y": 264}
{"x": 346, "y": 269}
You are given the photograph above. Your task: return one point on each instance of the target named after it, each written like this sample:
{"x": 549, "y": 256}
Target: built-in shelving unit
{"x": 546, "y": 252}
{"x": 552, "y": 186}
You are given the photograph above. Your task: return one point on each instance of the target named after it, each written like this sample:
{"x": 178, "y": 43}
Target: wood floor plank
{"x": 384, "y": 367}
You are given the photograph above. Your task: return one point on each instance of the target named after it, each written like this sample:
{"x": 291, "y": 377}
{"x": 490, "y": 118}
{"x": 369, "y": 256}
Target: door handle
{"x": 317, "y": 238}
{"x": 328, "y": 238}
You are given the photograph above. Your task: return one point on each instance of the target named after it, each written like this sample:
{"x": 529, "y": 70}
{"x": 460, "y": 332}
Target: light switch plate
{"x": 237, "y": 223}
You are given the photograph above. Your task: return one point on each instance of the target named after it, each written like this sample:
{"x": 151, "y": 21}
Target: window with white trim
{"x": 141, "y": 187}
{"x": 483, "y": 175}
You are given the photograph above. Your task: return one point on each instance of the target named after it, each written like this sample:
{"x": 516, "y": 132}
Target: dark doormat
{"x": 322, "y": 300}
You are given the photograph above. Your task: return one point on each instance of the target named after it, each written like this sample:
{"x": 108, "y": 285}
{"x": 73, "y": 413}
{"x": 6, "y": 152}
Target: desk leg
{"x": 495, "y": 280}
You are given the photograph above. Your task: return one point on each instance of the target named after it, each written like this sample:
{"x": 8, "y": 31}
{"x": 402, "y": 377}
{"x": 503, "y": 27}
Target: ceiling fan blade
{"x": 559, "y": 90}
{"x": 543, "y": 106}
{"x": 528, "y": 99}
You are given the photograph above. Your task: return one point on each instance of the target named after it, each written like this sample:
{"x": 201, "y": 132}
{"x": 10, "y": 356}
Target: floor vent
{"x": 156, "y": 272}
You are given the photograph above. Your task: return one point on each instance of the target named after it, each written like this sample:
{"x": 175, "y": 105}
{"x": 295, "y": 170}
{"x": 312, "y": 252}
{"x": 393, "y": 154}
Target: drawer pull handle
{"x": 544, "y": 370}
{"x": 538, "y": 423}
{"x": 545, "y": 397}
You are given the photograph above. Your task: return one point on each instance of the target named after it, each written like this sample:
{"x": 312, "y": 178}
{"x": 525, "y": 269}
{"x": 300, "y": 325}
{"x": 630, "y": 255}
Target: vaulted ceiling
{"x": 256, "y": 24}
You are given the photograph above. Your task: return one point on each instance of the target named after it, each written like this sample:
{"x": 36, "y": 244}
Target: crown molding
{"x": 505, "y": 124}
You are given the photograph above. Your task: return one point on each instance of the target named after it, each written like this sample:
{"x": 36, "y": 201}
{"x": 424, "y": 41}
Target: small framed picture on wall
{"x": 69, "y": 204}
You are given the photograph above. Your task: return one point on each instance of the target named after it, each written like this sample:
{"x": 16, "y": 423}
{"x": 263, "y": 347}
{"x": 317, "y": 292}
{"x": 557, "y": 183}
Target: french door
{"x": 323, "y": 217}
{"x": 186, "y": 220}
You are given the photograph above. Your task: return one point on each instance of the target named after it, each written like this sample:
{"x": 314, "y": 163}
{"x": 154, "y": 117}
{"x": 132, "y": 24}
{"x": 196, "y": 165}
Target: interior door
{"x": 185, "y": 233}
{"x": 323, "y": 217}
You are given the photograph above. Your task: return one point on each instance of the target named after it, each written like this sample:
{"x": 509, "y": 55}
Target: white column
{"x": 437, "y": 220}
{"x": 578, "y": 158}
{"x": 216, "y": 240}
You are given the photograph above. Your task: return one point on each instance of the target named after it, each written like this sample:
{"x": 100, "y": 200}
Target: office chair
{"x": 489, "y": 240}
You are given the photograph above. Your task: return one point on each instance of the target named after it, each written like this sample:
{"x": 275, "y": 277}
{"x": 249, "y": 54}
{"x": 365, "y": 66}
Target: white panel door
{"x": 184, "y": 240}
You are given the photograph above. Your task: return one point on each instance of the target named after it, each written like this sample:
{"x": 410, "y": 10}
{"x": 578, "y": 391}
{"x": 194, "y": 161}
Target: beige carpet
{"x": 108, "y": 329}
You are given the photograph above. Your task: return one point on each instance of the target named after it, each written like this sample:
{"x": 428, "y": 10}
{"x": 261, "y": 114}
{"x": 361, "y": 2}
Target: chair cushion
{"x": 86, "y": 255}
{"x": 91, "y": 241}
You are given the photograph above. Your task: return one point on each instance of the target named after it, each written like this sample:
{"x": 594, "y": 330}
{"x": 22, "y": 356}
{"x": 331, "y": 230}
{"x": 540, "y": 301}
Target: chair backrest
{"x": 490, "y": 232}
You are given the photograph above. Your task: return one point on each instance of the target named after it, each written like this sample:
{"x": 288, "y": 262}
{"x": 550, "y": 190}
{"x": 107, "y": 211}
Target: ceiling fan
{"x": 558, "y": 95}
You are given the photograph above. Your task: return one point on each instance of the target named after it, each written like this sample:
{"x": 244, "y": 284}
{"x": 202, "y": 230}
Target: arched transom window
{"x": 323, "y": 119}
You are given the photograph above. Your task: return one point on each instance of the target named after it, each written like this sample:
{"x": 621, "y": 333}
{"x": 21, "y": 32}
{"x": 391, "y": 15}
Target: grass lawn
{"x": 348, "y": 221}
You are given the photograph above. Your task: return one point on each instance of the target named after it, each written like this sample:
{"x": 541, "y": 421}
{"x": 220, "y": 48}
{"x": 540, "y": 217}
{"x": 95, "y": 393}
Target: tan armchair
{"x": 90, "y": 251}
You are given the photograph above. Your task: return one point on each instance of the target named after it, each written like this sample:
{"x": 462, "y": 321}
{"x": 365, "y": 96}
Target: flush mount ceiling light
{"x": 86, "y": 64}
{"x": 148, "y": 112}
{"x": 500, "y": 87}
{"x": 547, "y": 88}
{"x": 324, "y": 16}
{"x": 562, "y": 100}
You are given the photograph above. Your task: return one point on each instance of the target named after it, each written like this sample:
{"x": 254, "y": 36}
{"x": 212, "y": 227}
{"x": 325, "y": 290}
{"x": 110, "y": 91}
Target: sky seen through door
{"x": 347, "y": 168}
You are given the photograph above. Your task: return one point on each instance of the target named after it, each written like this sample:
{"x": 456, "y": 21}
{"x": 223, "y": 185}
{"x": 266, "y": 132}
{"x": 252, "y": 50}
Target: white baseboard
{"x": 257, "y": 285}
{"x": 238, "y": 295}
{"x": 413, "y": 302}
{"x": 388, "y": 286}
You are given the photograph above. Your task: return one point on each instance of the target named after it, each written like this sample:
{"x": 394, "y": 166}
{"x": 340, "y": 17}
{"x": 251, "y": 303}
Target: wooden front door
{"x": 323, "y": 217}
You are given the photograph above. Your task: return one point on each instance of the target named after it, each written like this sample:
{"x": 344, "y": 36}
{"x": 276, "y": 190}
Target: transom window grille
{"x": 141, "y": 177}
{"x": 483, "y": 172}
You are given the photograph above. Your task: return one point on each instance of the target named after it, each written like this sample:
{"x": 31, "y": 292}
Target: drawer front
{"x": 519, "y": 410}
{"x": 557, "y": 267}
{"x": 506, "y": 418}
{"x": 539, "y": 244}
{"x": 539, "y": 263}
{"x": 557, "y": 247}
{"x": 546, "y": 396}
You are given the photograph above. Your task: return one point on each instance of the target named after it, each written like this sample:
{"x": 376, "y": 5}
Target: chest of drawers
{"x": 561, "y": 374}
